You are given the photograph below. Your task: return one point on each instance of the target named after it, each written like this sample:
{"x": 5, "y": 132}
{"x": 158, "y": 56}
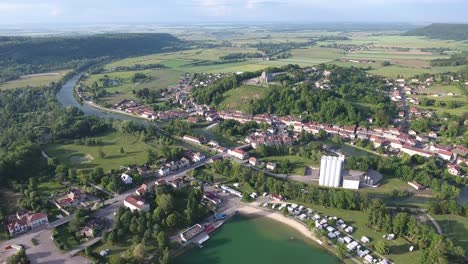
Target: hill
{"x": 29, "y": 55}
{"x": 441, "y": 31}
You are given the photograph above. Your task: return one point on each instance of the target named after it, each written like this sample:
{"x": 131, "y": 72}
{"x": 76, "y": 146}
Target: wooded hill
{"x": 441, "y": 31}
{"x": 29, "y": 55}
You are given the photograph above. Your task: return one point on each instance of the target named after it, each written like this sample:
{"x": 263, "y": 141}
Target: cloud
{"x": 18, "y": 8}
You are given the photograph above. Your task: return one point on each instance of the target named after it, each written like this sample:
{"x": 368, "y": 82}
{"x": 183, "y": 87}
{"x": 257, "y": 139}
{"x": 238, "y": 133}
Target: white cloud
{"x": 20, "y": 8}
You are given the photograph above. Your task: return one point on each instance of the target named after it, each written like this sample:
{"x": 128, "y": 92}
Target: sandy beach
{"x": 252, "y": 211}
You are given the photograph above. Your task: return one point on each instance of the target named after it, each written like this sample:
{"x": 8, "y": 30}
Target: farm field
{"x": 455, "y": 227}
{"x": 35, "y": 80}
{"x": 239, "y": 98}
{"x": 87, "y": 157}
{"x": 157, "y": 80}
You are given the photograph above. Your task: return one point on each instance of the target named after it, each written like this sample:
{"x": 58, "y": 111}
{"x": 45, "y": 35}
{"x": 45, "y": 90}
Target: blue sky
{"x": 206, "y": 11}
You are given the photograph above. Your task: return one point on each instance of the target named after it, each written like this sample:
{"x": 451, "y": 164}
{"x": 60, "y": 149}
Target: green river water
{"x": 256, "y": 240}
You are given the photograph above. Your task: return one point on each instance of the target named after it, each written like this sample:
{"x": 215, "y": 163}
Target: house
{"x": 213, "y": 143}
{"x": 197, "y": 157}
{"x": 444, "y": 154}
{"x": 161, "y": 182}
{"x": 90, "y": 228}
{"x": 454, "y": 169}
{"x": 73, "y": 195}
{"x": 416, "y": 185}
{"x": 365, "y": 239}
{"x": 142, "y": 190}
{"x": 136, "y": 203}
{"x": 253, "y": 161}
{"x": 191, "y": 139}
{"x": 461, "y": 151}
{"x": 432, "y": 134}
{"x": 24, "y": 221}
{"x": 164, "y": 170}
{"x": 126, "y": 178}
{"x": 177, "y": 183}
{"x": 238, "y": 153}
{"x": 271, "y": 166}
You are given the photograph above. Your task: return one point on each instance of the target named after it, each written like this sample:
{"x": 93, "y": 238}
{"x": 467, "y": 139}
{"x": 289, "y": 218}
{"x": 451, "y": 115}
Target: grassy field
{"x": 455, "y": 227}
{"x": 37, "y": 80}
{"x": 239, "y": 98}
{"x": 398, "y": 248}
{"x": 87, "y": 157}
{"x": 299, "y": 163}
{"x": 116, "y": 251}
{"x": 66, "y": 238}
{"x": 157, "y": 79}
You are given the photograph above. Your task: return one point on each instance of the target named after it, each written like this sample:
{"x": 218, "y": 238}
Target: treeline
{"x": 29, "y": 55}
{"x": 241, "y": 56}
{"x": 271, "y": 48}
{"x": 454, "y": 60}
{"x": 436, "y": 248}
{"x": 213, "y": 94}
{"x": 234, "y": 130}
{"x": 311, "y": 194}
{"x": 441, "y": 31}
{"x": 351, "y": 88}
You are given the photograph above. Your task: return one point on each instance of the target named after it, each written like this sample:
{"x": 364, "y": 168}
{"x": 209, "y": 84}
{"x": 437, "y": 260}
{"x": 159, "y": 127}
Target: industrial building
{"x": 331, "y": 171}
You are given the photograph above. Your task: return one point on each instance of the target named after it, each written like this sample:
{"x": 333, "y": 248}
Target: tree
{"x": 165, "y": 202}
{"x": 341, "y": 251}
{"x": 400, "y": 223}
{"x": 101, "y": 154}
{"x": 139, "y": 252}
{"x": 122, "y": 151}
{"x": 163, "y": 240}
{"x": 382, "y": 247}
{"x": 166, "y": 257}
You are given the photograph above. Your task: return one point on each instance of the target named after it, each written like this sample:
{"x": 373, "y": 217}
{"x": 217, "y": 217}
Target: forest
{"x": 30, "y": 55}
{"x": 441, "y": 31}
{"x": 352, "y": 99}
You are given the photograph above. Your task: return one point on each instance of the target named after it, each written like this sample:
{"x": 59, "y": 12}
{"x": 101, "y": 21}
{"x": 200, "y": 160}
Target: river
{"x": 256, "y": 240}
{"x": 67, "y": 98}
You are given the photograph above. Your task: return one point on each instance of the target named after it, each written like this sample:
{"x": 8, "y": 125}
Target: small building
{"x": 177, "y": 183}
{"x": 416, "y": 185}
{"x": 136, "y": 203}
{"x": 191, "y": 139}
{"x": 24, "y": 221}
{"x": 212, "y": 197}
{"x": 277, "y": 197}
{"x": 271, "y": 166}
{"x": 161, "y": 182}
{"x": 371, "y": 178}
{"x": 164, "y": 170}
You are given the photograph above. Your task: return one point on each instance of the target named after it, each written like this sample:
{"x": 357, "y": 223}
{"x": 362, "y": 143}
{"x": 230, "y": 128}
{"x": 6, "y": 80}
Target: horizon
{"x": 87, "y": 12}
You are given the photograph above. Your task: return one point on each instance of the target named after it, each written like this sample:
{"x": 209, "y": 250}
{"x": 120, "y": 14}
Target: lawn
{"x": 299, "y": 163}
{"x": 398, "y": 248}
{"x": 455, "y": 227}
{"x": 239, "y": 98}
{"x": 87, "y": 157}
{"x": 36, "y": 80}
{"x": 116, "y": 251}
{"x": 64, "y": 239}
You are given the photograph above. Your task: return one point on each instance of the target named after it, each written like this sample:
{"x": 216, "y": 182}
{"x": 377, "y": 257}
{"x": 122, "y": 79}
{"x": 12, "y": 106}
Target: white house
{"x": 136, "y": 203}
{"x": 126, "y": 178}
{"x": 271, "y": 166}
{"x": 238, "y": 153}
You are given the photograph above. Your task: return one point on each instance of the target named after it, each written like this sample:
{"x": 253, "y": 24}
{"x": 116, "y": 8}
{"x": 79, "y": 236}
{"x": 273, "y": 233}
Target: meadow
{"x": 36, "y": 80}
{"x": 455, "y": 227}
{"x": 88, "y": 157}
{"x": 239, "y": 98}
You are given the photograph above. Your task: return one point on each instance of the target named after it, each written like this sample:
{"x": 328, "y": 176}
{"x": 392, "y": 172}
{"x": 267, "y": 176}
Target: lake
{"x": 256, "y": 240}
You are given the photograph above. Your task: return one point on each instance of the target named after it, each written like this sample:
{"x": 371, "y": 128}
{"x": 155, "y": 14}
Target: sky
{"x": 15, "y": 12}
